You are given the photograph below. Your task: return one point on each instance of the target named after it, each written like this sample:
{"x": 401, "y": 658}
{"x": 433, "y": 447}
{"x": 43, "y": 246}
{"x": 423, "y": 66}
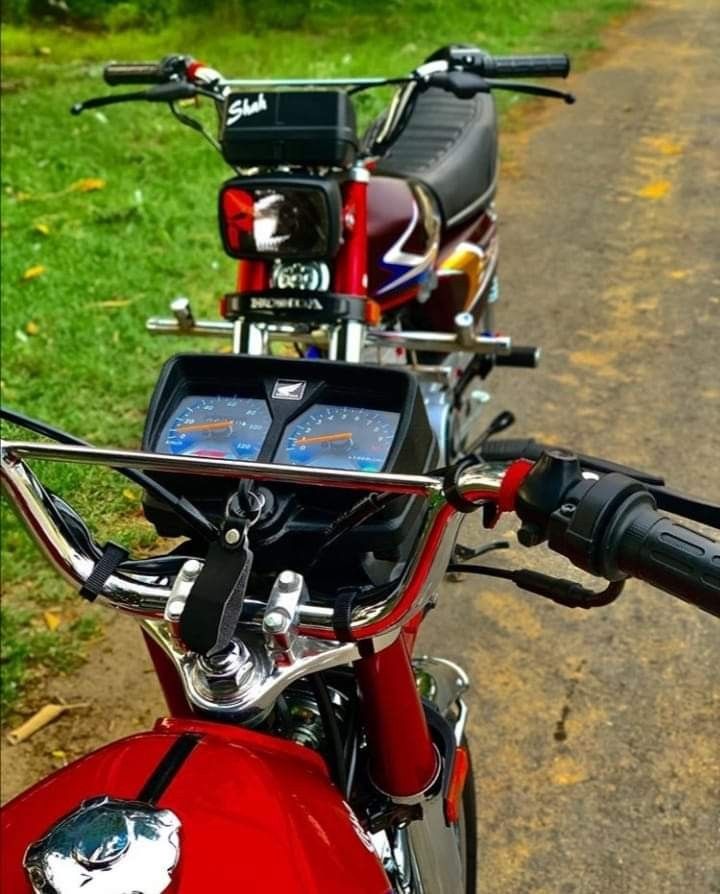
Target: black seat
{"x": 450, "y": 145}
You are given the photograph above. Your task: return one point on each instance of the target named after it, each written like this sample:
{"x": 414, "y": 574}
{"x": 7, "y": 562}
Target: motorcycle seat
{"x": 449, "y": 145}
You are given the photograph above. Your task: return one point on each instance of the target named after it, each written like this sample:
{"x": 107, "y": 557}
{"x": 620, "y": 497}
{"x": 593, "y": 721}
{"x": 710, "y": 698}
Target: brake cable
{"x": 181, "y": 506}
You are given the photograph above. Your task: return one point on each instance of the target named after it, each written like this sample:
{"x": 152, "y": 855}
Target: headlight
{"x": 280, "y": 217}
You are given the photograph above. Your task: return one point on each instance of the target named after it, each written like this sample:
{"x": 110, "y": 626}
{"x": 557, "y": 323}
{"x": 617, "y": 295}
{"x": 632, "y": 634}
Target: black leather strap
{"x": 214, "y": 606}
{"x": 112, "y": 556}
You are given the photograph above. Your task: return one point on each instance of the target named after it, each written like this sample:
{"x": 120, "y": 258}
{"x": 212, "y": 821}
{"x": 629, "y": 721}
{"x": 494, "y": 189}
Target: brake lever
{"x": 533, "y": 90}
{"x": 173, "y": 91}
{"x": 98, "y": 101}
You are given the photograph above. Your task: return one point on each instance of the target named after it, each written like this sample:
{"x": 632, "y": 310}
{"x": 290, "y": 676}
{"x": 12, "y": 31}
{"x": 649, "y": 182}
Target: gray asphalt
{"x": 595, "y": 736}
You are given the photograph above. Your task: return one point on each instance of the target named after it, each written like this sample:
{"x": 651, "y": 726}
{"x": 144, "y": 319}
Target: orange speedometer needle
{"x": 204, "y": 426}
{"x": 324, "y": 439}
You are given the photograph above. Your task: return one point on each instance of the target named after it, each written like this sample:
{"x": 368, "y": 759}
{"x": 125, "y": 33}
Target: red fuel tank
{"x": 257, "y": 814}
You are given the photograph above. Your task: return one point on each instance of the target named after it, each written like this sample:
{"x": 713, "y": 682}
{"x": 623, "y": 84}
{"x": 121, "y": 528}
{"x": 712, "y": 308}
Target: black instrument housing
{"x": 297, "y": 517}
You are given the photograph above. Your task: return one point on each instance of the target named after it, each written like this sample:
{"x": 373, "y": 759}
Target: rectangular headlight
{"x": 283, "y": 217}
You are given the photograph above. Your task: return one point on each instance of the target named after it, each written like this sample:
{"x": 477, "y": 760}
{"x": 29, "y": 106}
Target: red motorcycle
{"x": 306, "y": 749}
{"x": 381, "y": 248}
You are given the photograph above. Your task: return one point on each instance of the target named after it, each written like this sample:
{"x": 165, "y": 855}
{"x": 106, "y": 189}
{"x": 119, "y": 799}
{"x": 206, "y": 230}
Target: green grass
{"x": 74, "y": 347}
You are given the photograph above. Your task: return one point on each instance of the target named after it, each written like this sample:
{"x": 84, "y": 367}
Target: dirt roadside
{"x": 595, "y": 738}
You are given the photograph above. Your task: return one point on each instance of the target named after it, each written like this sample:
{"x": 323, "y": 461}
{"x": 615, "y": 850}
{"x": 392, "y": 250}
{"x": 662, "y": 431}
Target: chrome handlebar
{"x": 147, "y": 596}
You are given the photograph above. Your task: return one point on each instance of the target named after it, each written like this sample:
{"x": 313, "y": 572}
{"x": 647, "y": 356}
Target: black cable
{"x": 568, "y": 593}
{"x": 332, "y": 731}
{"x": 356, "y": 515}
{"x": 488, "y": 570}
{"x": 182, "y": 507}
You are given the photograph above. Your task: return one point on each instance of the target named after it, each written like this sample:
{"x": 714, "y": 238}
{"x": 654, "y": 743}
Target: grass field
{"x": 108, "y": 216}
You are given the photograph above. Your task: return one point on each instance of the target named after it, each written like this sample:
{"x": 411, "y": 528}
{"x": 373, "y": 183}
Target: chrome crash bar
{"x": 463, "y": 339}
{"x": 147, "y": 596}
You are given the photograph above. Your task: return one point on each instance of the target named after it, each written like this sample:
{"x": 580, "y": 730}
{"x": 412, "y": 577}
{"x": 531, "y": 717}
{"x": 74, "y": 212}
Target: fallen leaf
{"x": 32, "y": 328}
{"x": 88, "y": 184}
{"x": 52, "y": 620}
{"x": 59, "y": 754}
{"x": 42, "y": 228}
{"x": 111, "y": 302}
{"x": 130, "y": 495}
{"x": 33, "y": 272}
{"x": 20, "y": 336}
{"x": 658, "y": 189}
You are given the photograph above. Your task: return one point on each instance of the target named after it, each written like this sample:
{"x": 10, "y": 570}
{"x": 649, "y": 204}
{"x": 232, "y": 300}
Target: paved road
{"x": 596, "y": 737}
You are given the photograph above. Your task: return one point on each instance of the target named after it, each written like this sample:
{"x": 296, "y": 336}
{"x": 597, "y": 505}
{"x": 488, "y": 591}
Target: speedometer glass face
{"x": 335, "y": 437}
{"x": 217, "y": 427}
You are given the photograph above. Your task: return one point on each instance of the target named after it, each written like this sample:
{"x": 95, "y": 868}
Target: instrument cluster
{"x": 311, "y": 413}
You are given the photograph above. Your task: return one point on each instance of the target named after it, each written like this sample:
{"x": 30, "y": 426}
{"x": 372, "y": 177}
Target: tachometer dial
{"x": 217, "y": 427}
{"x": 339, "y": 438}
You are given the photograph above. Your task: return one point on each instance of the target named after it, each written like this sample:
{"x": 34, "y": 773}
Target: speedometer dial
{"x": 334, "y": 437}
{"x": 217, "y": 427}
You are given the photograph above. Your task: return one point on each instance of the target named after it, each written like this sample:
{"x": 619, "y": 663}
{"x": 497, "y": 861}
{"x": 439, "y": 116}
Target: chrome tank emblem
{"x": 106, "y": 847}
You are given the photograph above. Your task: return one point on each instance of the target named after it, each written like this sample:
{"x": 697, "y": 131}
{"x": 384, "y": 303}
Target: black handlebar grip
{"x": 524, "y": 356}
{"x": 116, "y": 73}
{"x": 667, "y": 555}
{"x": 552, "y": 66}
{"x": 509, "y": 449}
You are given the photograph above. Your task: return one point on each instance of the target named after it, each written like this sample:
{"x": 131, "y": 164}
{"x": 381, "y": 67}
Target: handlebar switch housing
{"x": 588, "y": 525}
{"x": 544, "y": 489}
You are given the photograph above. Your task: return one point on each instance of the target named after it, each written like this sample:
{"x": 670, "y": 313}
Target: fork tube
{"x": 252, "y": 276}
{"x": 351, "y": 263}
{"x": 403, "y": 760}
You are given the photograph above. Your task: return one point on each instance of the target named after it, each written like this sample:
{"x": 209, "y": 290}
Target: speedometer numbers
{"x": 335, "y": 437}
{"x": 217, "y": 427}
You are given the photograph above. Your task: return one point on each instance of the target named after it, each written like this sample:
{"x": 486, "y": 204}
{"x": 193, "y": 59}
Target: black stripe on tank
{"x": 167, "y": 769}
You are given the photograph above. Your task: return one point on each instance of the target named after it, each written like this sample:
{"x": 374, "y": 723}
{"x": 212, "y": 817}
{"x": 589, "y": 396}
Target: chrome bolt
{"x": 175, "y": 609}
{"x": 232, "y": 536}
{"x": 191, "y": 569}
{"x": 275, "y": 622}
{"x": 287, "y": 581}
